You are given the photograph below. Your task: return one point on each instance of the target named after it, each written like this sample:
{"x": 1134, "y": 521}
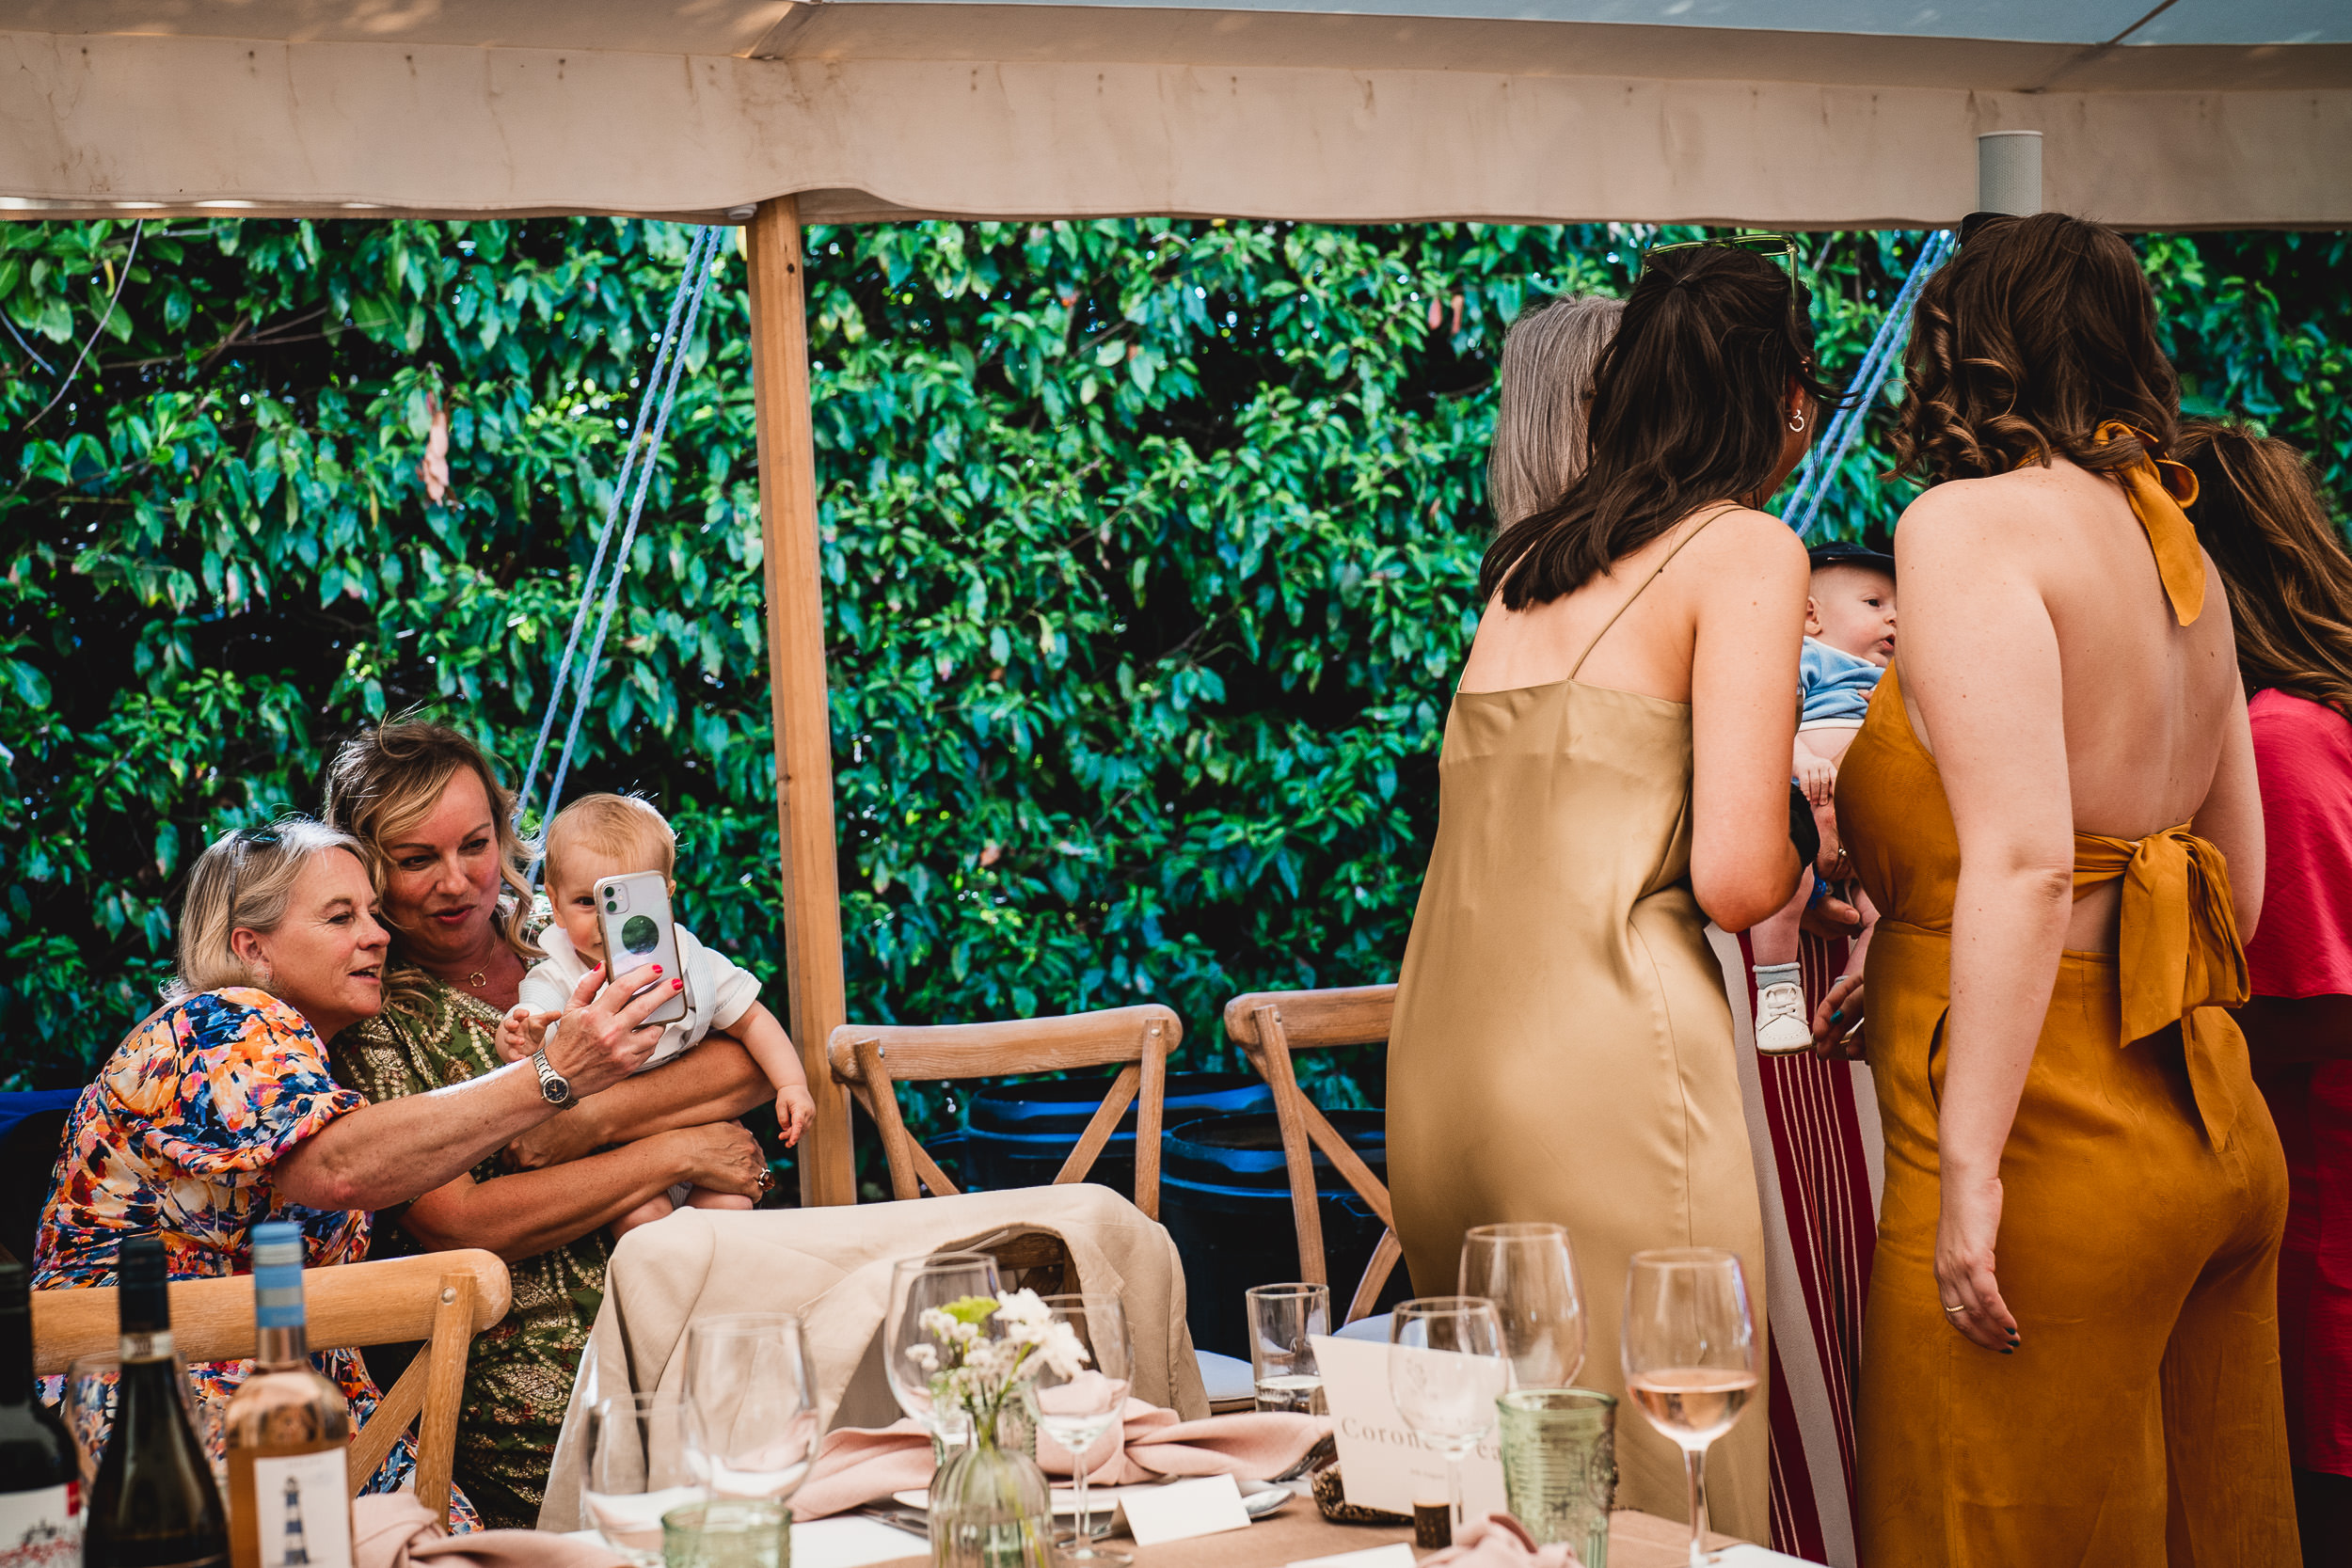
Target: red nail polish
{"x": 678, "y": 985}
{"x": 657, "y": 969}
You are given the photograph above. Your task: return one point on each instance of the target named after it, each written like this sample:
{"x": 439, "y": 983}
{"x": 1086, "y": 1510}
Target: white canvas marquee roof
{"x": 1785, "y": 112}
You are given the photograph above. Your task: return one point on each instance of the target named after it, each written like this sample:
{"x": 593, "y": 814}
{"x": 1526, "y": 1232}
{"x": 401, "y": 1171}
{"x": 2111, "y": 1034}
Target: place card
{"x": 1383, "y": 1463}
{"x": 1206, "y": 1505}
{"x": 1397, "y": 1554}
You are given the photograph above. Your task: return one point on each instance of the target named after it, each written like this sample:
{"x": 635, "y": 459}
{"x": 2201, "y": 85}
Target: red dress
{"x": 2303, "y": 947}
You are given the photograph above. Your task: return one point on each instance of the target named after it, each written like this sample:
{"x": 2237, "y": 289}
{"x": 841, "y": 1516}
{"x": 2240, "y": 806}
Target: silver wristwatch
{"x": 552, "y": 1084}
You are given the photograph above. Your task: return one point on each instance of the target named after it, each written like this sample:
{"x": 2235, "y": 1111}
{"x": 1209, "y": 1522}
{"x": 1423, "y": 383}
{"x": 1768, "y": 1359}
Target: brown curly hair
{"x": 2260, "y": 516}
{"x": 2039, "y": 330}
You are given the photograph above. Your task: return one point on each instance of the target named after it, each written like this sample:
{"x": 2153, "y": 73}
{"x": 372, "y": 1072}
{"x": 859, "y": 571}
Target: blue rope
{"x": 669, "y": 352}
{"x": 698, "y": 263}
{"x": 1845, "y": 427}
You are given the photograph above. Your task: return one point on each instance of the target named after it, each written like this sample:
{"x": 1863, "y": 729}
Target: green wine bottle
{"x": 154, "y": 1504}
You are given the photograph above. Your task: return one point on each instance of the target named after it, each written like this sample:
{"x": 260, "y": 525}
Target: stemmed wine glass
{"x": 1446, "y": 1369}
{"x": 1077, "y": 1408}
{"x": 916, "y": 1286}
{"x": 1689, "y": 1354}
{"x": 1528, "y": 1270}
{"x": 644, "y": 1458}
{"x": 747, "y": 1376}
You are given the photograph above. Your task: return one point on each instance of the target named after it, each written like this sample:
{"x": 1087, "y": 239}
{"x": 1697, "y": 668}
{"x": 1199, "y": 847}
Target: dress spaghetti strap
{"x": 1605, "y": 626}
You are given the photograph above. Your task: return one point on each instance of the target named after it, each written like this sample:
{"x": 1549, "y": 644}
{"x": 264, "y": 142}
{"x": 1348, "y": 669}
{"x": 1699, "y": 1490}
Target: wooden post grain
{"x": 796, "y": 683}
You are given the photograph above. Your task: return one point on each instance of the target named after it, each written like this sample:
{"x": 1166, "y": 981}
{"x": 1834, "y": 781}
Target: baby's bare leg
{"x": 705, "y": 1198}
{"x": 1774, "y": 941}
{"x": 654, "y": 1208}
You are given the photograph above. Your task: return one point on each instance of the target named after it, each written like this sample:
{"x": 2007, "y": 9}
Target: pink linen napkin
{"x": 856, "y": 1466}
{"x": 391, "y": 1529}
{"x": 1499, "y": 1540}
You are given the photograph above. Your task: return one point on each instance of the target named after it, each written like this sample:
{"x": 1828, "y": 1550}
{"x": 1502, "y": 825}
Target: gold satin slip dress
{"x": 1562, "y": 1048}
{"x": 2141, "y": 1421}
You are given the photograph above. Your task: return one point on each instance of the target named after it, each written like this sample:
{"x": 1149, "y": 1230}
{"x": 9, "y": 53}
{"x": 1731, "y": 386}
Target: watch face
{"x": 556, "y": 1087}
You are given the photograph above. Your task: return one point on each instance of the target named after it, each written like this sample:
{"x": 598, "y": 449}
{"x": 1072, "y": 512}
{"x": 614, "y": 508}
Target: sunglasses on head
{"x": 242, "y": 840}
{"x": 1781, "y": 249}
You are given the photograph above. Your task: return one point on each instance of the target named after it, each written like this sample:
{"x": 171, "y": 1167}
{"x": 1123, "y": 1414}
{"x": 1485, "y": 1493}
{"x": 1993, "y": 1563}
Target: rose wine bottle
{"x": 153, "y": 1504}
{"x": 289, "y": 1431}
{"x": 40, "y": 1476}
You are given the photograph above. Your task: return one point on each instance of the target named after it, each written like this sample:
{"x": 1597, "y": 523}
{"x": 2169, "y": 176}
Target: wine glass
{"x": 1689, "y": 1354}
{"x": 644, "y": 1458}
{"x": 1446, "y": 1369}
{"x": 1077, "y": 1409}
{"x": 1528, "y": 1272}
{"x": 747, "y": 1376}
{"x": 916, "y": 1286}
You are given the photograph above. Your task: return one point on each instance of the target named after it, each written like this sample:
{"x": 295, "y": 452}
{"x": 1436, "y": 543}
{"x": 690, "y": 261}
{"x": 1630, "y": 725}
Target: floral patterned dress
{"x": 519, "y": 1380}
{"x": 177, "y": 1138}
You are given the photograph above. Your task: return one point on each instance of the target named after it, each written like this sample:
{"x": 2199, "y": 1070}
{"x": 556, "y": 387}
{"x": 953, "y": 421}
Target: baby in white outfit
{"x": 613, "y": 835}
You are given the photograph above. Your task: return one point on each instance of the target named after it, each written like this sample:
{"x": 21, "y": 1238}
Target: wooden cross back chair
{"x": 444, "y": 1298}
{"x": 1268, "y": 1026}
{"x": 871, "y": 1060}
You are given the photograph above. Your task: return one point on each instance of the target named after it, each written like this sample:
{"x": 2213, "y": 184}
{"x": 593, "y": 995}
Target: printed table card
{"x": 1383, "y": 1462}
{"x": 1181, "y": 1510}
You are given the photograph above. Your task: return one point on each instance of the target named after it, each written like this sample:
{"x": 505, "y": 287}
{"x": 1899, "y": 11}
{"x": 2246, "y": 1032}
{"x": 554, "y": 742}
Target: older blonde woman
{"x": 218, "y": 1112}
{"x": 1549, "y": 357}
{"x": 428, "y": 804}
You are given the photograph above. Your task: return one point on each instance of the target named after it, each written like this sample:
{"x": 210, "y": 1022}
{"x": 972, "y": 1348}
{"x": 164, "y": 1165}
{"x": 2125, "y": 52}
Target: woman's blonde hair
{"x": 245, "y": 881}
{"x": 1549, "y": 357}
{"x": 387, "y": 781}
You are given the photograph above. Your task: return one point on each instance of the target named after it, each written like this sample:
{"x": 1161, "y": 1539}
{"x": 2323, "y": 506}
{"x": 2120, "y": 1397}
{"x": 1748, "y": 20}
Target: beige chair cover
{"x": 832, "y": 1267}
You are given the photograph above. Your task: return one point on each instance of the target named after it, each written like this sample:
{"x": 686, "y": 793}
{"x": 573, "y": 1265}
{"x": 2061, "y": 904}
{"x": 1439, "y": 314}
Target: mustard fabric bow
{"x": 2158, "y": 488}
{"x": 2179, "y": 956}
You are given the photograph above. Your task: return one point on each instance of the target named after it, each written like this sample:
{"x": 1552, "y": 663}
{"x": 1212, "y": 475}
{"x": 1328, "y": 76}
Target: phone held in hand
{"x": 633, "y": 912}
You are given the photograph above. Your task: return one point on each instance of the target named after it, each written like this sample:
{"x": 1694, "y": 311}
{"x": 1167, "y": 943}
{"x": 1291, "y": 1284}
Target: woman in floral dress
{"x": 219, "y": 1113}
{"x": 425, "y": 800}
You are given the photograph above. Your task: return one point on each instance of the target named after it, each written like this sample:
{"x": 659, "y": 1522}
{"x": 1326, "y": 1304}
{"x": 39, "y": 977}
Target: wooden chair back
{"x": 1269, "y": 1025}
{"x": 871, "y": 1060}
{"x": 444, "y": 1298}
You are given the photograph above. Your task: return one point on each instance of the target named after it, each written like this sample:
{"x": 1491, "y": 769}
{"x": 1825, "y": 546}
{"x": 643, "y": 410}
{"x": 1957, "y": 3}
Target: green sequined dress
{"x": 520, "y": 1378}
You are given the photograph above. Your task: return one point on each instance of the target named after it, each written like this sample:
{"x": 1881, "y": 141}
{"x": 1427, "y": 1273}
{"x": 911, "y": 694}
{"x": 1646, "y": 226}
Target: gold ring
{"x": 1959, "y": 1308}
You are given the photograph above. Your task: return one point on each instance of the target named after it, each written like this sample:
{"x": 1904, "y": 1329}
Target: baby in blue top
{"x": 1849, "y": 639}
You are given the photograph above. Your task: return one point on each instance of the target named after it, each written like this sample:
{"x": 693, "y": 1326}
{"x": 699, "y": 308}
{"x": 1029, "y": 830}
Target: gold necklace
{"x": 477, "y": 979}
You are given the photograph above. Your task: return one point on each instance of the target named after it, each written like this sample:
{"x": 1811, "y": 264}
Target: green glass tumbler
{"x": 730, "y": 1532}
{"x": 1559, "y": 1467}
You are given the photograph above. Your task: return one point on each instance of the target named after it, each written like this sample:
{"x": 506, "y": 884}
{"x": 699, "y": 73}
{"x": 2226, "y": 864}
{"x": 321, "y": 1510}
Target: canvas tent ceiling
{"x": 1787, "y": 112}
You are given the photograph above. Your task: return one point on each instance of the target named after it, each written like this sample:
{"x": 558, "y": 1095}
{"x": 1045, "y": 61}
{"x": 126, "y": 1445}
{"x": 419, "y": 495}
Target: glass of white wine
{"x": 1283, "y": 1320}
{"x": 1528, "y": 1270}
{"x": 1690, "y": 1356}
{"x": 1075, "y": 1409}
{"x": 747, "y": 1375}
{"x": 916, "y": 1286}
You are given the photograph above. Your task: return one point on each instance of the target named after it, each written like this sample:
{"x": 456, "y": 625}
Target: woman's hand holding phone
{"x": 603, "y": 1035}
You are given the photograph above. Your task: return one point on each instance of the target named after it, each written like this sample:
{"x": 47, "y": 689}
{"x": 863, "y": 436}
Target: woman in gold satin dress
{"x": 2070, "y": 1351}
{"x": 1616, "y": 770}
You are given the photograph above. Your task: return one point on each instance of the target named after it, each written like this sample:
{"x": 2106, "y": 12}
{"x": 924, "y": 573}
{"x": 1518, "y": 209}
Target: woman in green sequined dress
{"x": 428, "y": 804}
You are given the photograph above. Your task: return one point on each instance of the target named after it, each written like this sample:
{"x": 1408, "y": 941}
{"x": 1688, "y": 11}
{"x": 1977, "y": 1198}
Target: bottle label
{"x": 41, "y": 1528}
{"x": 302, "y": 1508}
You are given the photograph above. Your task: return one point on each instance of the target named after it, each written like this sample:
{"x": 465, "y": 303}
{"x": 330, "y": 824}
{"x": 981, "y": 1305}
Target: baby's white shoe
{"x": 1781, "y": 1029}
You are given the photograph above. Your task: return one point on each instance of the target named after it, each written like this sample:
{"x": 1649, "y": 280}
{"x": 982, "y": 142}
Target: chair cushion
{"x": 1374, "y": 1329}
{"x": 1226, "y": 1377}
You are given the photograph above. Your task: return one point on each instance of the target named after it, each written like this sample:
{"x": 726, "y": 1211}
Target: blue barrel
{"x": 1020, "y": 1133}
{"x": 1225, "y": 1198}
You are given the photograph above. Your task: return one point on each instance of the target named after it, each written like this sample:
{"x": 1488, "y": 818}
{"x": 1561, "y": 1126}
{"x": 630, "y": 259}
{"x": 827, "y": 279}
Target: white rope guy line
{"x": 670, "y": 342}
{"x": 1845, "y": 428}
{"x": 699, "y": 260}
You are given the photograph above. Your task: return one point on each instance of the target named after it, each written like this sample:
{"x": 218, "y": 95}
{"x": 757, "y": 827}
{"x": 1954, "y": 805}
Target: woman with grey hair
{"x": 1549, "y": 357}
{"x": 219, "y": 1113}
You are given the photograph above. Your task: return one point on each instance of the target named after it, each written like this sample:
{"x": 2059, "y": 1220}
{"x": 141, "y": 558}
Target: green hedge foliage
{"x": 1148, "y": 548}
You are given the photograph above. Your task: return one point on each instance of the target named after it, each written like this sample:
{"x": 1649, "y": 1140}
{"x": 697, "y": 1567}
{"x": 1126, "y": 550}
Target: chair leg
{"x": 445, "y": 1389}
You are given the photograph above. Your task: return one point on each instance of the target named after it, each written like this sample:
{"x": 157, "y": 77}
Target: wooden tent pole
{"x": 796, "y": 685}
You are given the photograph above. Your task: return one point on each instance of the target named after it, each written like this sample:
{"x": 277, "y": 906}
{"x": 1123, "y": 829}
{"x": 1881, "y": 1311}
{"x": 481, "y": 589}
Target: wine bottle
{"x": 153, "y": 1504}
{"x": 40, "y": 1476}
{"x": 288, "y": 1430}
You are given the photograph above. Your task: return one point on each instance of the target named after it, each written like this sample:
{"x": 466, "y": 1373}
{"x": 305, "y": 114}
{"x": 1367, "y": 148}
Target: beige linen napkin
{"x": 391, "y": 1529}
{"x": 853, "y": 1466}
{"x": 831, "y": 1266}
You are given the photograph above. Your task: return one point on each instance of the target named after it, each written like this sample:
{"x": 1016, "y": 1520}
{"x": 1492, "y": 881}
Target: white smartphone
{"x": 633, "y": 912}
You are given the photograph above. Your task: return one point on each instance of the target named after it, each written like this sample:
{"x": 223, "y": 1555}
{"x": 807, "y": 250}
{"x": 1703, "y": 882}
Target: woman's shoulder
{"x": 1742, "y": 545}
{"x": 228, "y": 1015}
{"x": 2290, "y": 729}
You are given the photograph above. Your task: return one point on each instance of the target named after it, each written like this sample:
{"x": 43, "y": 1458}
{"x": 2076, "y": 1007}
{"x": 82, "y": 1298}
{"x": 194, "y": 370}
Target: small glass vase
{"x": 990, "y": 1505}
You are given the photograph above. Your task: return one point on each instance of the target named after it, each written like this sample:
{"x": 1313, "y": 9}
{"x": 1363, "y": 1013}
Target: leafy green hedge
{"x": 1148, "y": 544}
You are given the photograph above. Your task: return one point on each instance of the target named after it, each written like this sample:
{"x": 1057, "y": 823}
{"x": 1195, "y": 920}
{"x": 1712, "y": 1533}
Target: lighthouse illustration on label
{"x": 294, "y": 1552}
